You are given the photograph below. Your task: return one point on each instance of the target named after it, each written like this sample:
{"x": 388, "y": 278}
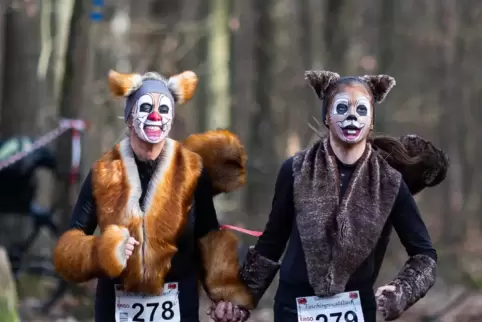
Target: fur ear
{"x": 183, "y": 86}
{"x": 380, "y": 85}
{"x": 321, "y": 80}
{"x": 124, "y": 84}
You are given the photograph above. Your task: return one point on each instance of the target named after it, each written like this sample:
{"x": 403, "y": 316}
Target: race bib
{"x": 135, "y": 307}
{"x": 343, "y": 307}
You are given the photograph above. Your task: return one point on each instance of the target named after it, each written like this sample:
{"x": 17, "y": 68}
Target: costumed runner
{"x": 337, "y": 202}
{"x": 152, "y": 198}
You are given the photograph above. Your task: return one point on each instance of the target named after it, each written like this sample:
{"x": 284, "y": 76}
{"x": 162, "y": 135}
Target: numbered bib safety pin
{"x": 131, "y": 307}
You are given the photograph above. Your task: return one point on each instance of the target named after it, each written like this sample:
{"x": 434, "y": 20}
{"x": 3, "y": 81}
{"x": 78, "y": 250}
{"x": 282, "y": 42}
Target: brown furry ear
{"x": 123, "y": 84}
{"x": 320, "y": 80}
{"x": 183, "y": 86}
{"x": 380, "y": 85}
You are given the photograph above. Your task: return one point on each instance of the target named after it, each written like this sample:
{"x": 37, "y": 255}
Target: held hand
{"x": 227, "y": 312}
{"x": 390, "y": 302}
{"x": 131, "y": 243}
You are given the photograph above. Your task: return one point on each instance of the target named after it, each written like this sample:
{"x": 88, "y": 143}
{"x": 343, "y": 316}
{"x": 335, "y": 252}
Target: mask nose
{"x": 155, "y": 117}
{"x": 351, "y": 117}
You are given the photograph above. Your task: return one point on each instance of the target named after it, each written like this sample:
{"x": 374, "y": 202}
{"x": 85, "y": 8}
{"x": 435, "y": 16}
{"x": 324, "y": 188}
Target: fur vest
{"x": 339, "y": 232}
{"x": 158, "y": 222}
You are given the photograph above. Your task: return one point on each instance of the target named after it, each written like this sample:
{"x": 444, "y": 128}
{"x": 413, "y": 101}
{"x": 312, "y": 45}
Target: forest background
{"x": 250, "y": 56}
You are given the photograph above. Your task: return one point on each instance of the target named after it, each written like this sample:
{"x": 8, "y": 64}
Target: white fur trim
{"x": 133, "y": 207}
{"x": 173, "y": 85}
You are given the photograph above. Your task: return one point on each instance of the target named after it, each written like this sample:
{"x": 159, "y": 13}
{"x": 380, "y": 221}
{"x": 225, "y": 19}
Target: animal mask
{"x": 151, "y": 100}
{"x": 348, "y": 102}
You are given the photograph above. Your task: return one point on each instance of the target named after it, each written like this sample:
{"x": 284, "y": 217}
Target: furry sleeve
{"x": 411, "y": 284}
{"x": 79, "y": 257}
{"x": 258, "y": 273}
{"x": 223, "y": 157}
{"x": 219, "y": 255}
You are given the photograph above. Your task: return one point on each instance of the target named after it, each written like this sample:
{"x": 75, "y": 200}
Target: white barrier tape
{"x": 76, "y": 148}
{"x": 64, "y": 125}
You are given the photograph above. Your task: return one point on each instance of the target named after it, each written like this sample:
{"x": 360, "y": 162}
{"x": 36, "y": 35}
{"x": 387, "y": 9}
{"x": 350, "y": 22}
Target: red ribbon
{"x": 242, "y": 230}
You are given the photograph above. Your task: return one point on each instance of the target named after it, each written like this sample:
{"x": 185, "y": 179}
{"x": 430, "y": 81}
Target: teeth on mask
{"x": 351, "y": 131}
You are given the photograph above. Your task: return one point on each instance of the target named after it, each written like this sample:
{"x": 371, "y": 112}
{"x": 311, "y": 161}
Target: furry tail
{"x": 79, "y": 258}
{"x": 223, "y": 157}
{"x": 221, "y": 269}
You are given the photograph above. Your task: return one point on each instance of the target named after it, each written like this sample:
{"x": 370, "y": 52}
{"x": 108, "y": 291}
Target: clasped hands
{"x": 227, "y": 312}
{"x": 219, "y": 312}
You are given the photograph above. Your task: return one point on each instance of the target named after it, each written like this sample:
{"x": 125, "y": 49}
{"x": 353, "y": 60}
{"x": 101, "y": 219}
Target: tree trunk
{"x": 242, "y": 79}
{"x": 218, "y": 62}
{"x": 3, "y": 10}
{"x": 72, "y": 97}
{"x": 261, "y": 146}
{"x": 8, "y": 293}
{"x": 454, "y": 220}
{"x": 21, "y": 108}
{"x": 192, "y": 56}
{"x": 386, "y": 29}
{"x": 335, "y": 36}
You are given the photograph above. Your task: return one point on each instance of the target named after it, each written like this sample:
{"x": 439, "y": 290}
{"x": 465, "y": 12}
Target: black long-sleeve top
{"x": 184, "y": 268}
{"x": 281, "y": 227}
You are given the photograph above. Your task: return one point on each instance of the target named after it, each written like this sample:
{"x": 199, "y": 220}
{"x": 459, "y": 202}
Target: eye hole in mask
{"x": 341, "y": 108}
{"x": 163, "y": 109}
{"x": 362, "y": 110}
{"x": 145, "y": 108}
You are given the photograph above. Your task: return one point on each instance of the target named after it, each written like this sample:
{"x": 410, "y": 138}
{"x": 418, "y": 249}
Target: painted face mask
{"x": 151, "y": 100}
{"x": 348, "y": 109}
{"x": 351, "y": 113}
{"x": 152, "y": 117}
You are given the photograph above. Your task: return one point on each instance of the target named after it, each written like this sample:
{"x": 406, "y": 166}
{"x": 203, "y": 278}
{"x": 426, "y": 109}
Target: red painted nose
{"x": 155, "y": 117}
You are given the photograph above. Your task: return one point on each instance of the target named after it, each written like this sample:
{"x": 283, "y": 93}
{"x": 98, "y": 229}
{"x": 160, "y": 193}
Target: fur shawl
{"x": 338, "y": 235}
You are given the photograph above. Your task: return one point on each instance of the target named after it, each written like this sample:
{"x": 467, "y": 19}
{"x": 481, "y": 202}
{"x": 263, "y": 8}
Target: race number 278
{"x": 167, "y": 313}
{"x": 349, "y": 316}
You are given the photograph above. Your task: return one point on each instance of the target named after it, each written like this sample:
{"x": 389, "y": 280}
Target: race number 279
{"x": 349, "y": 316}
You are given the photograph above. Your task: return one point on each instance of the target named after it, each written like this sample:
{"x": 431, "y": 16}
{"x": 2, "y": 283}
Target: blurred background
{"x": 250, "y": 56}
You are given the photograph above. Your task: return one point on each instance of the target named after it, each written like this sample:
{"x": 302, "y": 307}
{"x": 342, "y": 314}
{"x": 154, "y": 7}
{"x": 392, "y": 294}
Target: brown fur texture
{"x": 380, "y": 85}
{"x": 183, "y": 86}
{"x": 123, "y": 84}
{"x": 338, "y": 235}
{"x": 412, "y": 283}
{"x": 221, "y": 269}
{"x": 111, "y": 250}
{"x": 432, "y": 168}
{"x": 223, "y": 157}
{"x": 421, "y": 164}
{"x": 79, "y": 258}
{"x": 257, "y": 274}
{"x": 321, "y": 80}
{"x": 75, "y": 256}
{"x": 116, "y": 188}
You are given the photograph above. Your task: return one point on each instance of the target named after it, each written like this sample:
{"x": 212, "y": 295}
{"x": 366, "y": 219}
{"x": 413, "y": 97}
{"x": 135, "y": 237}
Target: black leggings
{"x": 286, "y": 314}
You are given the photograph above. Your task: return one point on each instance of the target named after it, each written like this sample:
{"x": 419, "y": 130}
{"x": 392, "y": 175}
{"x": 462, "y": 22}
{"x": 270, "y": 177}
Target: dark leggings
{"x": 286, "y": 314}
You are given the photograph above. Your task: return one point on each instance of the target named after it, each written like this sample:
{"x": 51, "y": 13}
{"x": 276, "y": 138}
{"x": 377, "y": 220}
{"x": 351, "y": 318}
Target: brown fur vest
{"x": 338, "y": 235}
{"x": 169, "y": 196}
{"x": 117, "y": 190}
